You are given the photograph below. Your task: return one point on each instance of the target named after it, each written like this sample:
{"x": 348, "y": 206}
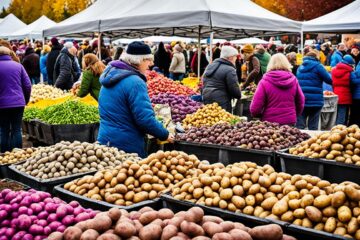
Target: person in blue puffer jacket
{"x": 126, "y": 114}
{"x": 338, "y": 55}
{"x": 355, "y": 90}
{"x": 311, "y": 75}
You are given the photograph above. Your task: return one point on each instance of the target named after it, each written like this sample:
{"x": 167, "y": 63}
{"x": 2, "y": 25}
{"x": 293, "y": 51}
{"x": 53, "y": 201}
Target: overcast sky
{"x": 4, "y": 3}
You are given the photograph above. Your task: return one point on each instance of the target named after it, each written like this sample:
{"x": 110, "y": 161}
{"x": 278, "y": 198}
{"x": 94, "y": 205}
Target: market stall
{"x": 10, "y": 24}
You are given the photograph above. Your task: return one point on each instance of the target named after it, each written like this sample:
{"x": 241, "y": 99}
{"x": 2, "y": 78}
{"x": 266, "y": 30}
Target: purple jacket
{"x": 278, "y": 98}
{"x": 15, "y": 85}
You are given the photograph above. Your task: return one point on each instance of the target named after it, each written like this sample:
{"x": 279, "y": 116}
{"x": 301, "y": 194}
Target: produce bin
{"x": 39, "y": 131}
{"x": 331, "y": 170}
{"x": 226, "y": 154}
{"x": 25, "y": 187}
{"x": 69, "y": 196}
{"x": 25, "y": 127}
{"x": 32, "y": 126}
{"x": 301, "y": 233}
{"x": 46, "y": 185}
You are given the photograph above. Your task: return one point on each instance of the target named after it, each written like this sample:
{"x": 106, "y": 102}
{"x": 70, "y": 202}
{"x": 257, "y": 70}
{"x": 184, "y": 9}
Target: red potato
{"x": 133, "y": 238}
{"x": 180, "y": 214}
{"x": 268, "y": 232}
{"x": 135, "y": 215}
{"x": 82, "y": 225}
{"x": 176, "y": 221}
{"x": 158, "y": 222}
{"x": 227, "y": 226}
{"x": 194, "y": 214}
{"x": 178, "y": 238}
{"x": 240, "y": 234}
{"x": 191, "y": 229}
{"x": 183, "y": 235}
{"x": 114, "y": 214}
{"x": 100, "y": 223}
{"x": 222, "y": 236}
{"x": 201, "y": 238}
{"x": 212, "y": 219}
{"x": 287, "y": 237}
{"x": 169, "y": 232}
{"x": 125, "y": 230}
{"x": 165, "y": 214}
{"x": 212, "y": 228}
{"x": 145, "y": 209}
{"x": 124, "y": 213}
{"x": 72, "y": 233}
{"x": 150, "y": 232}
{"x": 138, "y": 225}
{"x": 148, "y": 217}
{"x": 89, "y": 234}
{"x": 108, "y": 236}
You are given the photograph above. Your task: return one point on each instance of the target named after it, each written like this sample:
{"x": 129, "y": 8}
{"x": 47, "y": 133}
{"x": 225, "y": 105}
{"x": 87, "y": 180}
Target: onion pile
{"x": 180, "y": 105}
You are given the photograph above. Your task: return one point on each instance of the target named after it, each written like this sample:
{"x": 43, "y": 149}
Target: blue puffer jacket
{"x": 336, "y": 58}
{"x": 126, "y": 114}
{"x": 311, "y": 75}
{"x": 355, "y": 84}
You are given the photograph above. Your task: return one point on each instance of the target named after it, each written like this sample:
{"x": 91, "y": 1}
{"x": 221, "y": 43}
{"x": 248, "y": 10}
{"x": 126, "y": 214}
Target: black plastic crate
{"x": 209, "y": 152}
{"x": 73, "y": 132}
{"x": 25, "y": 187}
{"x": 95, "y": 132}
{"x": 69, "y": 196}
{"x": 39, "y": 131}
{"x": 25, "y": 127}
{"x": 331, "y": 170}
{"x": 48, "y": 133}
{"x": 236, "y": 154}
{"x": 46, "y": 185}
{"x": 32, "y": 126}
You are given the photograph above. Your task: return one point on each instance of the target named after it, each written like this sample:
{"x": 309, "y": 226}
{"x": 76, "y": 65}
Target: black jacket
{"x": 50, "y": 63}
{"x": 65, "y": 70}
{"x": 31, "y": 63}
{"x": 221, "y": 84}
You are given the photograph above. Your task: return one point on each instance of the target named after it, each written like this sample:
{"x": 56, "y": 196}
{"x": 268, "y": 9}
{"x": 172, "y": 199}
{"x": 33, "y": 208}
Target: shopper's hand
{"x": 170, "y": 138}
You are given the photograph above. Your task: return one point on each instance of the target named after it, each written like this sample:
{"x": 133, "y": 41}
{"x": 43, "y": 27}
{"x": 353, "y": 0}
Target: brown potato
{"x": 150, "y": 232}
{"x": 168, "y": 232}
{"x": 344, "y": 214}
{"x": 313, "y": 213}
{"x": 191, "y": 229}
{"x": 330, "y": 225}
{"x": 280, "y": 207}
{"x": 338, "y": 199}
{"x": 322, "y": 201}
{"x": 269, "y": 232}
{"x": 240, "y": 234}
{"x": 212, "y": 228}
{"x": 125, "y": 229}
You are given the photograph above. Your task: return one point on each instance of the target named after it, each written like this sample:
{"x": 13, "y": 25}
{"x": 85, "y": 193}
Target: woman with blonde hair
{"x": 43, "y": 60}
{"x": 92, "y": 69}
{"x": 278, "y": 97}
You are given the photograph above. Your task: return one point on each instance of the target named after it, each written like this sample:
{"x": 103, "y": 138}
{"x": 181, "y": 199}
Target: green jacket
{"x": 89, "y": 84}
{"x": 264, "y": 59}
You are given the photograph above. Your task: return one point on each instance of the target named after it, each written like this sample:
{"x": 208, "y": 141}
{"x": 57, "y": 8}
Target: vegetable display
{"x": 9, "y": 184}
{"x": 251, "y": 135}
{"x": 65, "y": 158}
{"x": 130, "y": 182}
{"x": 303, "y": 200}
{"x": 180, "y": 105}
{"x": 209, "y": 115}
{"x": 16, "y": 155}
{"x": 341, "y": 144}
{"x": 161, "y": 84}
{"x": 148, "y": 224}
{"x": 41, "y": 91}
{"x": 33, "y": 215}
{"x": 31, "y": 113}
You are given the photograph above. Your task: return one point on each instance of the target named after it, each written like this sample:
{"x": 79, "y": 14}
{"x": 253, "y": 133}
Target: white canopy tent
{"x": 33, "y": 30}
{"x": 1, "y": 19}
{"x": 215, "y": 40}
{"x": 186, "y": 18}
{"x": 249, "y": 41}
{"x": 166, "y": 39}
{"x": 10, "y": 24}
{"x": 345, "y": 19}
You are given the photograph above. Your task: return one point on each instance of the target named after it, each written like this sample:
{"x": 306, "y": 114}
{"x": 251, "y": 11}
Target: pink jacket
{"x": 278, "y": 98}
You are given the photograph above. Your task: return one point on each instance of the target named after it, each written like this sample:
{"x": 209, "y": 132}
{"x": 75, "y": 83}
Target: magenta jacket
{"x": 278, "y": 98}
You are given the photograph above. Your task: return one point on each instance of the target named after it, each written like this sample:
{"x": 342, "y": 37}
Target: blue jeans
{"x": 177, "y": 76}
{"x": 310, "y": 117}
{"x": 342, "y": 114}
{"x": 10, "y": 128}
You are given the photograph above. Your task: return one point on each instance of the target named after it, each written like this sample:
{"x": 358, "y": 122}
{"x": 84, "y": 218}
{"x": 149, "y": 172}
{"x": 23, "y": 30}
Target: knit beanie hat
{"x": 54, "y": 41}
{"x": 348, "y": 59}
{"x": 228, "y": 51}
{"x": 248, "y": 48}
{"x": 138, "y": 48}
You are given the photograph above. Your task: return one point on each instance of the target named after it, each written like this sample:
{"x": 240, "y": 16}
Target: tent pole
{"x": 211, "y": 46}
{"x": 302, "y": 42}
{"x": 199, "y": 53}
{"x": 99, "y": 46}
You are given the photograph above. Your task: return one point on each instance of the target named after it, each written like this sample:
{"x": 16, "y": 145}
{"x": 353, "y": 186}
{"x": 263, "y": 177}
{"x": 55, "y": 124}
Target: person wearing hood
{"x": 341, "y": 77}
{"x": 15, "y": 90}
{"x": 66, "y": 69}
{"x": 31, "y": 63}
{"x": 126, "y": 113}
{"x": 220, "y": 79}
{"x": 177, "y": 67}
{"x": 355, "y": 53}
{"x": 278, "y": 97}
{"x": 51, "y": 59}
{"x": 264, "y": 58}
{"x": 311, "y": 74}
{"x": 338, "y": 54}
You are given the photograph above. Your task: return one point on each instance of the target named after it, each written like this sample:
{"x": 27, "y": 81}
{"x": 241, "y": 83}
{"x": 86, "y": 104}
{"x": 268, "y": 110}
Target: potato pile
{"x": 209, "y": 115}
{"x": 41, "y": 91}
{"x": 16, "y": 155}
{"x": 148, "y": 224}
{"x": 341, "y": 144}
{"x": 66, "y": 158}
{"x": 260, "y": 191}
{"x": 131, "y": 182}
{"x": 250, "y": 135}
